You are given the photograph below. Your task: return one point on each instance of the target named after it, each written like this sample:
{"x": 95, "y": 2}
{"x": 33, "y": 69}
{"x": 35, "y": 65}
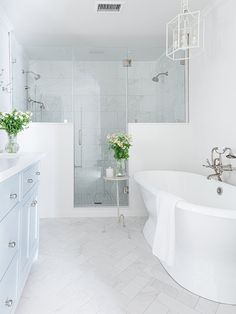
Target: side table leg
{"x": 118, "y": 201}
{"x": 122, "y": 217}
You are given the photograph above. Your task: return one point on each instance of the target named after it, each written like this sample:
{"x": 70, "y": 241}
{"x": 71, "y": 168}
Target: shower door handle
{"x": 78, "y": 150}
{"x": 80, "y": 137}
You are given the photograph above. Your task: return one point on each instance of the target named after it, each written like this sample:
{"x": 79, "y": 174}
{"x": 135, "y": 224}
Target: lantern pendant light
{"x": 183, "y": 34}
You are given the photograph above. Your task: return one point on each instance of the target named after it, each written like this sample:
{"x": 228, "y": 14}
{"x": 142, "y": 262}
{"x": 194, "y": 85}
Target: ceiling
{"x": 141, "y": 23}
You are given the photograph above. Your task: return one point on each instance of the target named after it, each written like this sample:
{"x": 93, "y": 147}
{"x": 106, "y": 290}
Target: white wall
{"x": 212, "y": 108}
{"x": 5, "y": 28}
{"x": 12, "y": 61}
{"x": 57, "y": 177}
{"x": 5, "y": 96}
{"x": 20, "y": 62}
{"x": 158, "y": 146}
{"x": 56, "y": 188}
{"x": 212, "y": 86}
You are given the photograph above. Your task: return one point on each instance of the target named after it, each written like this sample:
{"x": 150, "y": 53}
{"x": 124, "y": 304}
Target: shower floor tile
{"x": 83, "y": 270}
{"x": 99, "y": 199}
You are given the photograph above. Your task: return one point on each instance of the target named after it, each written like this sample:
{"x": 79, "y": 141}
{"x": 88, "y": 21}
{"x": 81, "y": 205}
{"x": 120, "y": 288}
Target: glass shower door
{"x": 99, "y": 110}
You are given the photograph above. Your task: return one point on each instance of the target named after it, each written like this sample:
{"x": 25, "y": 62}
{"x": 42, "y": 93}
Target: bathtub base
{"x": 206, "y": 278}
{"x": 205, "y": 231}
{"x": 149, "y": 230}
{"x": 190, "y": 277}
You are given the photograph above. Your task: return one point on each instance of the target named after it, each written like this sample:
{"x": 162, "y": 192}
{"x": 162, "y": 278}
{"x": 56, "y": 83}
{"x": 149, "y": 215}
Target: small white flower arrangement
{"x": 120, "y": 143}
{"x": 15, "y": 121}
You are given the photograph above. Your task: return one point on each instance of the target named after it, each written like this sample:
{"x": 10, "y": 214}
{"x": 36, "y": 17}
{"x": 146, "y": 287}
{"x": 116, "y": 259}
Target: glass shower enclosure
{"x": 100, "y": 91}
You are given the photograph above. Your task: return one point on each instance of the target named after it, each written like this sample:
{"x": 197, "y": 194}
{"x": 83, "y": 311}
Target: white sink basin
{"x": 7, "y": 163}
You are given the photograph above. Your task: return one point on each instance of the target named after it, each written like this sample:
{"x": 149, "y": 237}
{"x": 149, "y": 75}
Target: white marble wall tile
{"x": 113, "y": 103}
{"x": 51, "y": 68}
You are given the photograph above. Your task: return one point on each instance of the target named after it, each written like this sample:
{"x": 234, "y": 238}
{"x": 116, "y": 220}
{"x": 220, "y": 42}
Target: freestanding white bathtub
{"x": 205, "y": 231}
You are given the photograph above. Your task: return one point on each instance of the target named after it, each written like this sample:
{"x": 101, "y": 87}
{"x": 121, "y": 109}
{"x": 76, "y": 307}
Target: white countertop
{"x": 11, "y": 164}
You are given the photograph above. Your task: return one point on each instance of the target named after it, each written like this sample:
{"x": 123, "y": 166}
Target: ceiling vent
{"x": 107, "y": 7}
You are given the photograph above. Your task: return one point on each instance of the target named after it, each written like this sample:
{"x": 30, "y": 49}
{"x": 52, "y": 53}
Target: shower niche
{"x": 100, "y": 91}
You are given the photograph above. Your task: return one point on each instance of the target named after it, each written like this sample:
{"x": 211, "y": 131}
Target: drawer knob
{"x": 34, "y": 203}
{"x": 38, "y": 173}
{"x": 13, "y": 196}
{"x": 30, "y": 180}
{"x": 12, "y": 244}
{"x": 9, "y": 302}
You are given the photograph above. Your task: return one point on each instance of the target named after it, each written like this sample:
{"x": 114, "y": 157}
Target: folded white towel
{"x": 164, "y": 240}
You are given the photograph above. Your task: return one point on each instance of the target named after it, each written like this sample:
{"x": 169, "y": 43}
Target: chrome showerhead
{"x": 156, "y": 78}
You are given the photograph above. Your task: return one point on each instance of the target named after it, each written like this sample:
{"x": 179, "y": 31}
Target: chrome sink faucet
{"x": 217, "y": 164}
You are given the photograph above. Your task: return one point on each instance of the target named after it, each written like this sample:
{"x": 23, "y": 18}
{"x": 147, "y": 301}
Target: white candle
{"x": 109, "y": 172}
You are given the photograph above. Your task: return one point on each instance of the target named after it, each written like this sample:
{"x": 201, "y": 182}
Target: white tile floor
{"x": 82, "y": 270}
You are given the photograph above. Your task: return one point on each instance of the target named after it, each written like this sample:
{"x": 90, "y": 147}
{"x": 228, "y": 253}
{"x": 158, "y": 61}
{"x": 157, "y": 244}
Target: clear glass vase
{"x": 120, "y": 168}
{"x": 12, "y": 146}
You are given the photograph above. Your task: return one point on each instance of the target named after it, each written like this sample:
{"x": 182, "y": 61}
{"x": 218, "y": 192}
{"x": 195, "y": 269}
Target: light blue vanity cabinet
{"x": 29, "y": 236}
{"x": 19, "y": 232}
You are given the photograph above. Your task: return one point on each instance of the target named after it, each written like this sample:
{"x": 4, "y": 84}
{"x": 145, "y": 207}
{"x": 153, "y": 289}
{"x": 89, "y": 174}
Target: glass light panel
{"x": 183, "y": 35}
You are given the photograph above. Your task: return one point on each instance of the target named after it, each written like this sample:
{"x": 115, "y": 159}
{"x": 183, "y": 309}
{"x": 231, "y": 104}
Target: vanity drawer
{"x": 8, "y": 289}
{"x": 30, "y": 177}
{"x": 9, "y": 239}
{"x": 9, "y": 195}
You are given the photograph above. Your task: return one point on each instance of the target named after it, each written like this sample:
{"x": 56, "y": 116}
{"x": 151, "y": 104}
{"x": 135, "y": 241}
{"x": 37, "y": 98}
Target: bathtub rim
{"x": 185, "y": 205}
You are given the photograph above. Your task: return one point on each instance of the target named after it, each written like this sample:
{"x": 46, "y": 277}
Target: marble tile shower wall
{"x": 155, "y": 102}
{"x": 54, "y": 89}
{"x": 171, "y": 91}
{"x": 143, "y": 98}
{"x": 101, "y": 87}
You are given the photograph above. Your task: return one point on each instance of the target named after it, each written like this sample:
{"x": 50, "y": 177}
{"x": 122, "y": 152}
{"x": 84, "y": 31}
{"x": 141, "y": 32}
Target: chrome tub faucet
{"x": 216, "y": 163}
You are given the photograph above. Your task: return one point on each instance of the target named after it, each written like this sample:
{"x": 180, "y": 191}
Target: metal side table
{"x": 121, "y": 217}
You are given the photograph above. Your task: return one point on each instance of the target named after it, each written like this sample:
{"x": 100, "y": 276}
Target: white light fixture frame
{"x": 183, "y": 34}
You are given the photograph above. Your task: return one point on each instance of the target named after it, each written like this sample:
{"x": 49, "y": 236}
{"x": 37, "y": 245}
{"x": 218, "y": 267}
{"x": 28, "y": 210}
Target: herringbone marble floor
{"x": 82, "y": 270}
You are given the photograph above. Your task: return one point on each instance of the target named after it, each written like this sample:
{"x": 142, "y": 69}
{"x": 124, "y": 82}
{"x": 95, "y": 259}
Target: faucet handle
{"x": 208, "y": 164}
